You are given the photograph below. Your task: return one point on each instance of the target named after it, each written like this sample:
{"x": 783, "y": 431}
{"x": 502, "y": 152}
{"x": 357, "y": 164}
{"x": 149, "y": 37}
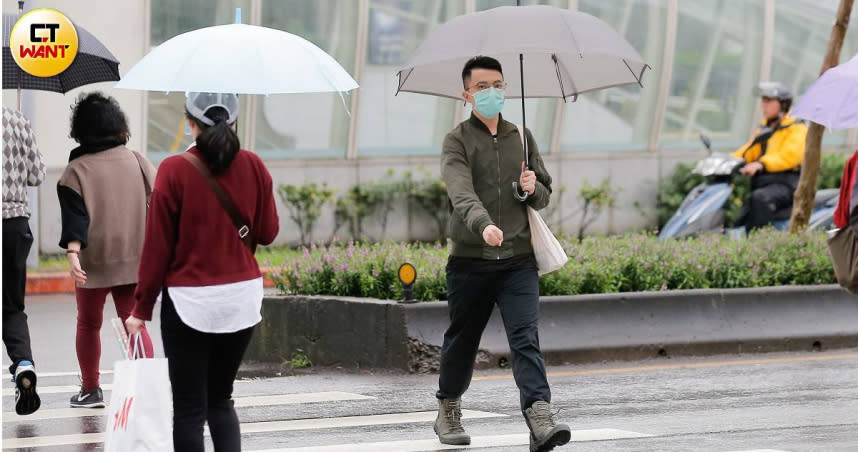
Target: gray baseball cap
{"x": 200, "y": 103}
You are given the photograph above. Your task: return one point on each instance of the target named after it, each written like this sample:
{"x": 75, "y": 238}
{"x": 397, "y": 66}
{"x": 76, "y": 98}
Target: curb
{"x": 54, "y": 283}
{"x": 369, "y": 333}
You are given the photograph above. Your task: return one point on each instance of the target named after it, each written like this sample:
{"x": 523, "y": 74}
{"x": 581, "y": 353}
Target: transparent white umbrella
{"x": 239, "y": 59}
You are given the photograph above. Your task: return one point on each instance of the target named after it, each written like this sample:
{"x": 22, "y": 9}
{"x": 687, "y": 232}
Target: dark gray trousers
{"x": 17, "y": 240}
{"x": 471, "y": 298}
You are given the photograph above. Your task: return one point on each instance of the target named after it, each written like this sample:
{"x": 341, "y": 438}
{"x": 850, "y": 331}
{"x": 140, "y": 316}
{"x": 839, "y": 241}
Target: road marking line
{"x": 477, "y": 442}
{"x": 74, "y": 389}
{"x": 746, "y": 362}
{"x": 54, "y": 440}
{"x": 760, "y": 450}
{"x": 262, "y": 427}
{"x": 70, "y": 389}
{"x": 240, "y": 402}
{"x": 66, "y": 374}
{"x": 356, "y": 421}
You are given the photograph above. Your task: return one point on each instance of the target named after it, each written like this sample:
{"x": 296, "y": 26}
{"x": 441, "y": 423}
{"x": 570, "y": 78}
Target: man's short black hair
{"x": 479, "y": 62}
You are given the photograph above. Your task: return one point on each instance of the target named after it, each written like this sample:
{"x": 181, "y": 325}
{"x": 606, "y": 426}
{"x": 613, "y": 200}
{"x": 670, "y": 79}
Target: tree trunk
{"x": 806, "y": 191}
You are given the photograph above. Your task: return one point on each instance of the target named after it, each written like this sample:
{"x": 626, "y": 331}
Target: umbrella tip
{"x": 238, "y": 15}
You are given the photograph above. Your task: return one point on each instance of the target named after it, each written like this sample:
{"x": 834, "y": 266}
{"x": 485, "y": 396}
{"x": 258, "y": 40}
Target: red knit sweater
{"x": 842, "y": 213}
{"x": 190, "y": 240}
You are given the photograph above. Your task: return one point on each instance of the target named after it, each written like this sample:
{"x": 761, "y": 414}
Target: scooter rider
{"x": 773, "y": 158}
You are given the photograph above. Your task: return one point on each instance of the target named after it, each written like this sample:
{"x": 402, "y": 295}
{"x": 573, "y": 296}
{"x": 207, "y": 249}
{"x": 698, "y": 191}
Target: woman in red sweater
{"x": 208, "y": 279}
{"x": 846, "y": 213}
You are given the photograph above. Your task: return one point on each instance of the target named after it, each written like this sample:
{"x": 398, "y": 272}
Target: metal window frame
{"x": 666, "y": 75}
{"x": 362, "y": 43}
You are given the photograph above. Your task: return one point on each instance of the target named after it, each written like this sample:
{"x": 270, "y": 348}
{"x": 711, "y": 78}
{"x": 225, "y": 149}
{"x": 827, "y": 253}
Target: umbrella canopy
{"x": 240, "y": 59}
{"x": 565, "y": 53}
{"x": 832, "y": 100}
{"x": 93, "y": 64}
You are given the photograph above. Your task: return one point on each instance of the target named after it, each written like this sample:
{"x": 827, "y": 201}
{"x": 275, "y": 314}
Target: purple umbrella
{"x": 832, "y": 101}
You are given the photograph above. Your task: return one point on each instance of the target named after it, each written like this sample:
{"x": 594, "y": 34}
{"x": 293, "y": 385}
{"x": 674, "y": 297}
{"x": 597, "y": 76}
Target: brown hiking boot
{"x": 448, "y": 425}
{"x": 545, "y": 434}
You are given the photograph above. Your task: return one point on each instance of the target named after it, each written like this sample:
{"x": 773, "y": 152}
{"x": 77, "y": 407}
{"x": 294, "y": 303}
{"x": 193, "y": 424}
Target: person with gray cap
{"x": 773, "y": 158}
{"x": 209, "y": 209}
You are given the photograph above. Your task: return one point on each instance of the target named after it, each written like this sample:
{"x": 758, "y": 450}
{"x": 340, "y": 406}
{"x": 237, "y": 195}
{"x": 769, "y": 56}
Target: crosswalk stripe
{"x": 54, "y": 440}
{"x": 477, "y": 442}
{"x": 70, "y": 389}
{"x": 74, "y": 389}
{"x": 240, "y": 402}
{"x": 264, "y": 427}
{"x": 355, "y": 421}
{"x": 66, "y": 374}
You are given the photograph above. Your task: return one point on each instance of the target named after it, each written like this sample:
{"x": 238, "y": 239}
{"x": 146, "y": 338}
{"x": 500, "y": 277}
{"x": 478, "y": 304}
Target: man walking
{"x": 22, "y": 167}
{"x": 492, "y": 258}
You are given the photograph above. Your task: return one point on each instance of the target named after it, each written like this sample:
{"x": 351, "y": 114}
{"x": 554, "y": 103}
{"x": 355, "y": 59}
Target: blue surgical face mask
{"x": 489, "y": 102}
{"x": 187, "y": 129}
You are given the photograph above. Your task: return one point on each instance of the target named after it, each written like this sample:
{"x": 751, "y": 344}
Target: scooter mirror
{"x": 706, "y": 142}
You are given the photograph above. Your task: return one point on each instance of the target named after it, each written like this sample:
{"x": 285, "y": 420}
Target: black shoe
{"x": 89, "y": 399}
{"x": 27, "y": 401}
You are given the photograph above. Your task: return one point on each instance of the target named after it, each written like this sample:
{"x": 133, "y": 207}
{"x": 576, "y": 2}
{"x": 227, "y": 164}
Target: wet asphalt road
{"x": 785, "y": 402}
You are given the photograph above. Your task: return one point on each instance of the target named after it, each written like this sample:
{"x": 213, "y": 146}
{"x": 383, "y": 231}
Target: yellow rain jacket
{"x": 784, "y": 150}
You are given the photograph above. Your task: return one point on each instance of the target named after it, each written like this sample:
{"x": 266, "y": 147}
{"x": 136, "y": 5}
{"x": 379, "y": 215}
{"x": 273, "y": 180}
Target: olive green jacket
{"x": 479, "y": 171}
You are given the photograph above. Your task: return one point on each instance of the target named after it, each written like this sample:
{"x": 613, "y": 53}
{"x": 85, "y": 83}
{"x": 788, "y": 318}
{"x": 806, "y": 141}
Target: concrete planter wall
{"x": 355, "y": 332}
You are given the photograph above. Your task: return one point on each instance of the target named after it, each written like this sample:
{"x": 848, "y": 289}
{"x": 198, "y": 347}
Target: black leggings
{"x": 203, "y": 367}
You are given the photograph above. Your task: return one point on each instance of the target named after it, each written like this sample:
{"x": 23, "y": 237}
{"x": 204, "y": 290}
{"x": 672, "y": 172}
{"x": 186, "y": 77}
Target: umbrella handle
{"x": 520, "y": 195}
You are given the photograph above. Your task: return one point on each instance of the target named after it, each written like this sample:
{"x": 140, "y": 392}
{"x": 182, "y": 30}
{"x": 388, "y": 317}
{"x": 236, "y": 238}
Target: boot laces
{"x": 453, "y": 414}
{"x": 543, "y": 417}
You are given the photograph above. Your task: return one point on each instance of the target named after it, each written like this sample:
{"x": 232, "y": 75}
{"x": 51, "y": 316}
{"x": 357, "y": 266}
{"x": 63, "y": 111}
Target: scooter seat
{"x": 783, "y": 214}
{"x": 826, "y": 198}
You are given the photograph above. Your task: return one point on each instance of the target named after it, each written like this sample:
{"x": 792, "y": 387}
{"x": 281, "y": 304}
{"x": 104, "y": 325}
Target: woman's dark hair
{"x": 219, "y": 143}
{"x": 97, "y": 120}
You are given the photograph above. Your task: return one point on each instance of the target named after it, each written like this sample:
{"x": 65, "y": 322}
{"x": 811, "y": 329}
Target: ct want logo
{"x": 43, "y": 42}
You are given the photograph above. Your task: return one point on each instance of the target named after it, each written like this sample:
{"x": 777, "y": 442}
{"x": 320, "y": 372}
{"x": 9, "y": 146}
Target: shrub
{"x": 304, "y": 203}
{"x": 429, "y": 195}
{"x": 631, "y": 263}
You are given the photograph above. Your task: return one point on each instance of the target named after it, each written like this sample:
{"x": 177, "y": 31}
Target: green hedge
{"x": 599, "y": 265}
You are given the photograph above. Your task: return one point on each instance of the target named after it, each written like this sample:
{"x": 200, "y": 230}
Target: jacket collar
{"x": 504, "y": 126}
{"x": 95, "y": 147}
{"x": 786, "y": 121}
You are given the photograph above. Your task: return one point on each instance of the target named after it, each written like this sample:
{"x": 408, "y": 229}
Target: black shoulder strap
{"x": 763, "y": 139}
{"x": 225, "y": 201}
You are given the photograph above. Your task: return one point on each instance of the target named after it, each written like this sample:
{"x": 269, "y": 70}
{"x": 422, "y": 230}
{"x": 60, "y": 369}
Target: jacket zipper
{"x": 500, "y": 201}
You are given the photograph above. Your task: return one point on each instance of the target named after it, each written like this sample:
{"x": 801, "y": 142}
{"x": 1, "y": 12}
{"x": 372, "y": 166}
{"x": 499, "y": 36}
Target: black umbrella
{"x": 93, "y": 64}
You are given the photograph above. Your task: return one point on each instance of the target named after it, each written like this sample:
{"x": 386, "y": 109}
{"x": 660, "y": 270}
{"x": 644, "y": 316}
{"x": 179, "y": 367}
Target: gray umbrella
{"x": 93, "y": 64}
{"x": 560, "y": 53}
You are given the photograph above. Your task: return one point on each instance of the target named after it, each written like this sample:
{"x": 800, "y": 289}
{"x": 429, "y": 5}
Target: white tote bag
{"x": 550, "y": 255}
{"x": 139, "y": 417}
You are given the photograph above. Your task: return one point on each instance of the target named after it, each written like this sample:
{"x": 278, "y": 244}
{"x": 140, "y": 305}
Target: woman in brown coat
{"x": 103, "y": 197}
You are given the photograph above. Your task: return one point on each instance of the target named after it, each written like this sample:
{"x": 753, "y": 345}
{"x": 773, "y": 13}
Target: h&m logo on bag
{"x": 120, "y": 418}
